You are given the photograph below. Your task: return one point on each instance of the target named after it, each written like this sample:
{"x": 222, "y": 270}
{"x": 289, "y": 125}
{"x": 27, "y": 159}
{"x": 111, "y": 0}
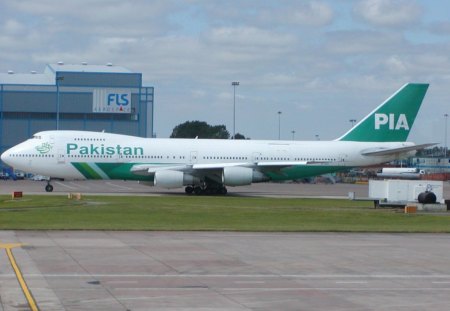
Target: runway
{"x": 92, "y": 270}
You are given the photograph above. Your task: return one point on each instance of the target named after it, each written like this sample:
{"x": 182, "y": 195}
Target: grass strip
{"x": 198, "y": 213}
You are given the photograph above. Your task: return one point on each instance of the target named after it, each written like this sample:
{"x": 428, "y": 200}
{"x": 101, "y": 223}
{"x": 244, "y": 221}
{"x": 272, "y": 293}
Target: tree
{"x": 239, "y": 136}
{"x": 200, "y": 129}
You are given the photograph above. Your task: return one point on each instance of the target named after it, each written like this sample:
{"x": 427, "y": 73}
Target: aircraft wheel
{"x": 198, "y": 190}
{"x": 189, "y": 189}
{"x": 49, "y": 188}
{"x": 209, "y": 190}
{"x": 223, "y": 190}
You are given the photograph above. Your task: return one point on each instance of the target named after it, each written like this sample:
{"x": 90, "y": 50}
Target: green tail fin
{"x": 393, "y": 119}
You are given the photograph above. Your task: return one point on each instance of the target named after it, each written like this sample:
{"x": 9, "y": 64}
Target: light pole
{"x": 293, "y": 134}
{"x": 57, "y": 101}
{"x": 279, "y": 125}
{"x": 234, "y": 84}
{"x": 445, "y": 134}
{"x": 352, "y": 121}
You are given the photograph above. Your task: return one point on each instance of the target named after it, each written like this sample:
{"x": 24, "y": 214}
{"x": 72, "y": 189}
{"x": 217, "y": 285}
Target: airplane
{"x": 208, "y": 166}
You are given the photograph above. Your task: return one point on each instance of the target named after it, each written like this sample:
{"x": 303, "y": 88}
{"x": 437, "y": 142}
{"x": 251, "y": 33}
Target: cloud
{"x": 359, "y": 41}
{"x": 247, "y": 44}
{"x": 440, "y": 28}
{"x": 12, "y": 27}
{"x": 102, "y": 17}
{"x": 250, "y": 36}
{"x": 389, "y": 13}
{"x": 269, "y": 14}
{"x": 396, "y": 64}
{"x": 312, "y": 13}
{"x": 419, "y": 64}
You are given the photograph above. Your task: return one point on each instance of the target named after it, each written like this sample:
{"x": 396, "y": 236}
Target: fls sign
{"x": 111, "y": 100}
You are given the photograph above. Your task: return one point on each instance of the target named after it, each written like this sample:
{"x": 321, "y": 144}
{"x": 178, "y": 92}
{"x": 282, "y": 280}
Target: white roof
{"x": 48, "y": 77}
{"x": 109, "y": 68}
{"x": 27, "y": 78}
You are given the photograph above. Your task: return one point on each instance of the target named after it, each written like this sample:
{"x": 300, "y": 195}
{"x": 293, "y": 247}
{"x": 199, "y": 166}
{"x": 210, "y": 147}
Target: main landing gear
{"x": 49, "y": 187}
{"x": 209, "y": 189}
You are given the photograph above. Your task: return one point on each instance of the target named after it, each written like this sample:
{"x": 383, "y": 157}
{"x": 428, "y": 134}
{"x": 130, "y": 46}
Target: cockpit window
{"x": 36, "y": 137}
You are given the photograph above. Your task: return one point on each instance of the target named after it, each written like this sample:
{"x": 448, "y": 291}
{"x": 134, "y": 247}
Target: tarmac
{"x": 111, "y": 270}
{"x": 107, "y": 270}
{"x": 117, "y": 187}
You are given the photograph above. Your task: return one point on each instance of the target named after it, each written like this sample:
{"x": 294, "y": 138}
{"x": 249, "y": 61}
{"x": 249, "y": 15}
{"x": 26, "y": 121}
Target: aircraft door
{"x": 193, "y": 157}
{"x": 118, "y": 157}
{"x": 61, "y": 156}
{"x": 256, "y": 157}
{"x": 342, "y": 159}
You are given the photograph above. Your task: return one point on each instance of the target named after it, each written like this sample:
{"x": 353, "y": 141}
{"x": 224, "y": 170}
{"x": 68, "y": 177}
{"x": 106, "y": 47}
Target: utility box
{"x": 396, "y": 191}
{"x": 410, "y": 209}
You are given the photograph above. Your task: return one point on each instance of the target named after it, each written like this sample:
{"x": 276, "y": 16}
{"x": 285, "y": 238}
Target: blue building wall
{"x": 29, "y": 108}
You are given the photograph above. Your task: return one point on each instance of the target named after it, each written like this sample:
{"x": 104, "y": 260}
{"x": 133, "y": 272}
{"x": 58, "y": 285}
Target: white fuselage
{"x": 69, "y": 154}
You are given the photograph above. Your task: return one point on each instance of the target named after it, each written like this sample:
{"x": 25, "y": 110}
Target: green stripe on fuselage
{"x": 87, "y": 171}
{"x": 120, "y": 171}
{"x": 303, "y": 171}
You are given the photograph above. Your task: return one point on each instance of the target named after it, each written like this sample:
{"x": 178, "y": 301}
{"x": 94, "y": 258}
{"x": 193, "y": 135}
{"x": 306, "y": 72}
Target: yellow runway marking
{"x": 19, "y": 276}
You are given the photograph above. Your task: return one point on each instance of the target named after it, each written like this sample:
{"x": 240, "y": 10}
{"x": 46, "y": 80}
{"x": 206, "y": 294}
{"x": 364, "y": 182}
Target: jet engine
{"x": 173, "y": 179}
{"x": 241, "y": 176}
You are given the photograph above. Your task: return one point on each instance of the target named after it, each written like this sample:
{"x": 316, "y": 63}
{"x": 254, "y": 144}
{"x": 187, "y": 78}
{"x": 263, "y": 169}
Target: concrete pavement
{"x": 92, "y": 270}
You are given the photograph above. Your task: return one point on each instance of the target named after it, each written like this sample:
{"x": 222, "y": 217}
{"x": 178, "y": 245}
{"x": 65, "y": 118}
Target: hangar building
{"x": 74, "y": 97}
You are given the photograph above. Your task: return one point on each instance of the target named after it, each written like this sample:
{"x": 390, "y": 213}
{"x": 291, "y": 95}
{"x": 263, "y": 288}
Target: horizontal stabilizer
{"x": 390, "y": 151}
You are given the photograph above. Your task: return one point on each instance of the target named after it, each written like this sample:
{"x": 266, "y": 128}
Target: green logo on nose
{"x": 44, "y": 148}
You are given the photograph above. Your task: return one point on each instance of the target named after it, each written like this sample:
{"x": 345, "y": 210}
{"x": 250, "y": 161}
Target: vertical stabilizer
{"x": 393, "y": 119}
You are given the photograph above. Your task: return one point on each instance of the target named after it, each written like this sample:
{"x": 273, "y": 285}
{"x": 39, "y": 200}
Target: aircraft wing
{"x": 279, "y": 164}
{"x": 215, "y": 166}
{"x": 203, "y": 169}
{"x": 390, "y": 151}
{"x": 150, "y": 169}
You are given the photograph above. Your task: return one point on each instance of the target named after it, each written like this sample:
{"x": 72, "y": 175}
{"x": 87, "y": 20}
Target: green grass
{"x": 209, "y": 213}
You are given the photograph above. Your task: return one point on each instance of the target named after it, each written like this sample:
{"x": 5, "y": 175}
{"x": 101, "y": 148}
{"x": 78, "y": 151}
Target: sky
{"x": 321, "y": 62}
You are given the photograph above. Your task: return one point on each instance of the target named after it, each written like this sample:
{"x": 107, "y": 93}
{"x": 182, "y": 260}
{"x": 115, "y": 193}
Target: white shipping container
{"x": 394, "y": 190}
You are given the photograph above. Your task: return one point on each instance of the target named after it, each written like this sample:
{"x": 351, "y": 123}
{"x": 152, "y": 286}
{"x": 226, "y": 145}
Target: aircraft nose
{"x": 5, "y": 156}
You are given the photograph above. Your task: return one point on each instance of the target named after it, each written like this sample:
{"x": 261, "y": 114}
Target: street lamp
{"x": 234, "y": 84}
{"x": 58, "y": 79}
{"x": 279, "y": 125}
{"x": 445, "y": 134}
{"x": 352, "y": 121}
{"x": 293, "y": 134}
